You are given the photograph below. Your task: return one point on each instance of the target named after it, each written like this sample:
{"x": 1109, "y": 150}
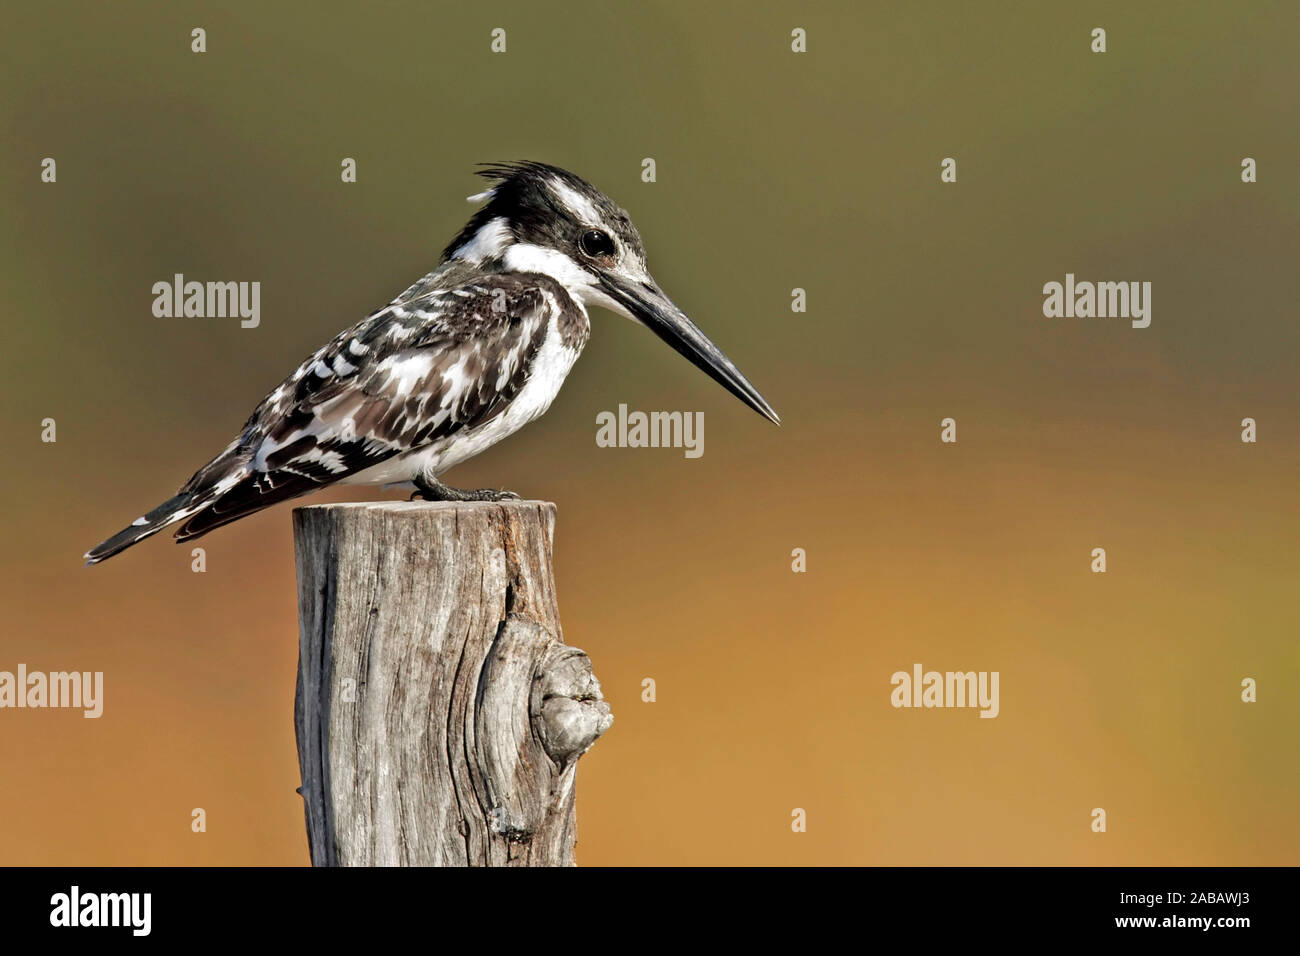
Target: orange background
{"x": 775, "y": 171}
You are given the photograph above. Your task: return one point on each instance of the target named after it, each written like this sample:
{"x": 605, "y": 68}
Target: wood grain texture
{"x": 439, "y": 714}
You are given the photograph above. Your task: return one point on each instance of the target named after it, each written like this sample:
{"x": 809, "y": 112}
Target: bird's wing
{"x": 419, "y": 370}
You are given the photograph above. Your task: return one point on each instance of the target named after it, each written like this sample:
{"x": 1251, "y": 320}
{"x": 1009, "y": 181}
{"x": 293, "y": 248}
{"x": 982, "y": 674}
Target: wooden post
{"x": 439, "y": 715}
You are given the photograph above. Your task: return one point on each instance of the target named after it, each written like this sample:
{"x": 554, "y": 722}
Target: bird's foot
{"x": 431, "y": 489}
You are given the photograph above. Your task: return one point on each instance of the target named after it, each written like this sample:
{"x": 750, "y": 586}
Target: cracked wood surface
{"x": 439, "y": 714}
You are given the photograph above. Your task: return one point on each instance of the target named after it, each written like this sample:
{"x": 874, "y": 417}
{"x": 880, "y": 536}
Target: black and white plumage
{"x": 463, "y": 358}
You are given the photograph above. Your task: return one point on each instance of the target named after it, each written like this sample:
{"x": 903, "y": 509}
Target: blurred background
{"x": 775, "y": 170}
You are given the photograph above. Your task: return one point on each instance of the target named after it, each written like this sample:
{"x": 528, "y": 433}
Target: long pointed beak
{"x": 649, "y": 305}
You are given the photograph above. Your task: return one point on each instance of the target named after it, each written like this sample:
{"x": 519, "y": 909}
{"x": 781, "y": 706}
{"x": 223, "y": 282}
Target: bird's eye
{"x": 595, "y": 243}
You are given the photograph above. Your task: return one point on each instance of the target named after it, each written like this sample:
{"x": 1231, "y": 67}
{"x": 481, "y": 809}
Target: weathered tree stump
{"x": 439, "y": 714}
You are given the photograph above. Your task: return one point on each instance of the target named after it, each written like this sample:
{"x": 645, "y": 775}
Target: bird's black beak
{"x": 649, "y": 305}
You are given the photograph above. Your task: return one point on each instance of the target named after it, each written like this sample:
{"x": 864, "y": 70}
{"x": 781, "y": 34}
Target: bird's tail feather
{"x": 169, "y": 512}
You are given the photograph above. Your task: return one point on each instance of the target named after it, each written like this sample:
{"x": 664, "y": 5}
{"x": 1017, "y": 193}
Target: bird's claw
{"x": 437, "y": 491}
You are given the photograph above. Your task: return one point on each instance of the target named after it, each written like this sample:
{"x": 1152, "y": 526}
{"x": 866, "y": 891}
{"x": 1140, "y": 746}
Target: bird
{"x": 466, "y": 356}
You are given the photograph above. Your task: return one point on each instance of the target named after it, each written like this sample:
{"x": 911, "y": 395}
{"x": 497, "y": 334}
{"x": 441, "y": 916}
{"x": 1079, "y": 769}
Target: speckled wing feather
{"x": 411, "y": 374}
{"x": 436, "y": 361}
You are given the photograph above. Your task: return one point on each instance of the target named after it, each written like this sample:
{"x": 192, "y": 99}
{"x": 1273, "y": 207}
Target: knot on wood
{"x": 567, "y": 707}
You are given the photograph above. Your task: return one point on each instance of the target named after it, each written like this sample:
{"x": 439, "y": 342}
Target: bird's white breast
{"x": 552, "y": 364}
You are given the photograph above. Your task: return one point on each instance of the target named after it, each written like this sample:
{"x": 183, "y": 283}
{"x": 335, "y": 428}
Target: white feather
{"x": 578, "y": 204}
{"x": 492, "y": 237}
{"x": 581, "y": 284}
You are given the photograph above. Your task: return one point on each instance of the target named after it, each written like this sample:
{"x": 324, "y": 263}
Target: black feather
{"x": 170, "y": 511}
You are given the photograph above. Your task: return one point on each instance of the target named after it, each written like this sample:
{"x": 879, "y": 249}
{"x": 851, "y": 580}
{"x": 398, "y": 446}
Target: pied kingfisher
{"x": 471, "y": 353}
